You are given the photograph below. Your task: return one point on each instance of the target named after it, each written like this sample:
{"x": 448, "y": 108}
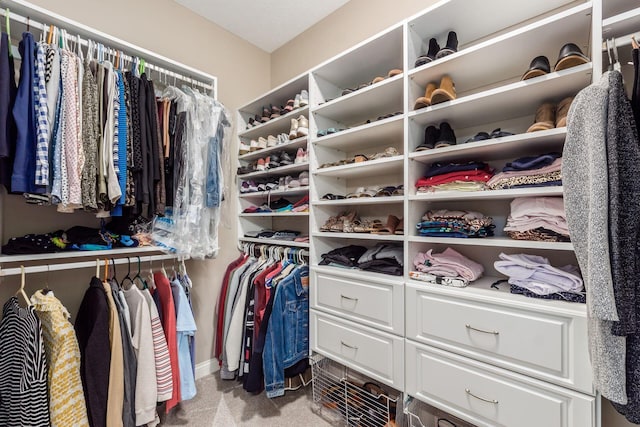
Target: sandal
{"x": 400, "y": 228}
{"x": 364, "y": 225}
{"x": 361, "y": 192}
{"x": 330, "y": 196}
{"x": 388, "y": 152}
{"x": 399, "y": 191}
{"x": 358, "y": 158}
{"x": 330, "y": 223}
{"x": 390, "y": 228}
{"x": 498, "y": 133}
{"x": 385, "y": 191}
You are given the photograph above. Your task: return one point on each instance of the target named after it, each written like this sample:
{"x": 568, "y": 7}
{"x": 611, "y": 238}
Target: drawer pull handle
{"x": 352, "y": 347}
{"x": 349, "y": 298}
{"x": 495, "y": 402}
{"x": 482, "y": 330}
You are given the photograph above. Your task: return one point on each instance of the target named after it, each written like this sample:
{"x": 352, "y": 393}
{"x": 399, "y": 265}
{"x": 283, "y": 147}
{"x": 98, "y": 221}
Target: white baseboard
{"x": 207, "y": 367}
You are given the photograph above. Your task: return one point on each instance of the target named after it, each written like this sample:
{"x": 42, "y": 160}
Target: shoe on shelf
{"x": 285, "y": 159}
{"x": 244, "y": 148}
{"x": 262, "y": 142}
{"x": 545, "y": 118}
{"x": 289, "y": 107}
{"x": 446, "y": 136}
{"x": 293, "y": 132}
{"x": 304, "y": 98}
{"x": 451, "y": 47}
{"x": 425, "y": 101}
{"x": 480, "y": 136}
{"x": 275, "y": 112}
{"x": 274, "y": 160}
{"x": 272, "y": 141}
{"x": 303, "y": 127}
{"x": 283, "y": 138}
{"x": 430, "y": 138}
{"x": 303, "y": 178}
{"x": 296, "y": 102}
{"x": 570, "y": 56}
{"x": 446, "y": 91}
{"x": 252, "y": 123}
{"x": 253, "y": 145}
{"x": 261, "y": 165}
{"x": 377, "y": 80}
{"x": 434, "y": 48}
{"x": 562, "y": 110}
{"x": 394, "y": 72}
{"x": 539, "y": 66}
{"x": 390, "y": 227}
{"x": 266, "y": 115}
{"x": 299, "y": 156}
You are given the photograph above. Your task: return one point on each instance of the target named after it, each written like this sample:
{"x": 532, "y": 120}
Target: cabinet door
{"x": 366, "y": 300}
{"x": 490, "y": 396}
{"x": 376, "y": 354}
{"x": 549, "y": 346}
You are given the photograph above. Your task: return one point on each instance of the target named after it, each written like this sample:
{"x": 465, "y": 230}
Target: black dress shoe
{"x": 446, "y": 136}
{"x": 430, "y": 137}
{"x": 451, "y": 47}
{"x": 285, "y": 159}
{"x": 274, "y": 160}
{"x": 570, "y": 56}
{"x": 538, "y": 67}
{"x": 431, "y": 54}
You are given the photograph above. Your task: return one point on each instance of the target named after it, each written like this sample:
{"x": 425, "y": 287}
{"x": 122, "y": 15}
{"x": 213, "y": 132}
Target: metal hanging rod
{"x": 251, "y": 245}
{"x": 4, "y": 272}
{"x": 37, "y": 17}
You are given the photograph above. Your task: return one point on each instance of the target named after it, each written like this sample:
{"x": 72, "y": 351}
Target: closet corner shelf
{"x": 473, "y": 66}
{"x": 496, "y": 241}
{"x": 355, "y": 273}
{"x": 481, "y": 290}
{"x": 360, "y": 201}
{"x": 622, "y": 24}
{"x": 282, "y": 170}
{"x": 488, "y": 194}
{"x": 506, "y": 102}
{"x": 291, "y": 145}
{"x": 275, "y": 242}
{"x": 297, "y": 191}
{"x": 274, "y": 127}
{"x": 509, "y": 147}
{"x": 360, "y": 236}
{"x": 379, "y": 132}
{"x": 359, "y": 105}
{"x": 59, "y": 256}
{"x": 614, "y": 7}
{"x": 368, "y": 168}
{"x": 274, "y": 214}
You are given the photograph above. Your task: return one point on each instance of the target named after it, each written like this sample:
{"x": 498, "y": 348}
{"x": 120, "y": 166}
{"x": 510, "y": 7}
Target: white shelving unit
{"x": 395, "y": 318}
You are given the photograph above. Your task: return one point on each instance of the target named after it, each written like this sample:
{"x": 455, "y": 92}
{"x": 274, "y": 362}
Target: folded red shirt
{"x": 465, "y": 176}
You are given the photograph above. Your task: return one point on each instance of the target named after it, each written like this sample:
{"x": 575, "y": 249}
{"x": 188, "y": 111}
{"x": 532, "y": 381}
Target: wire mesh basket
{"x": 420, "y": 414}
{"x": 351, "y": 398}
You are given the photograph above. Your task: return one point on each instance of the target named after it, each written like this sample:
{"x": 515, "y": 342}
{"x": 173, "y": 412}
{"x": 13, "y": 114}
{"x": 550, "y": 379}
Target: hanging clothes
{"x": 66, "y": 397}
{"x": 23, "y": 368}
{"x": 115, "y": 401}
{"x": 92, "y": 330}
{"x": 185, "y": 329}
{"x": 8, "y": 91}
{"x": 164, "y": 377}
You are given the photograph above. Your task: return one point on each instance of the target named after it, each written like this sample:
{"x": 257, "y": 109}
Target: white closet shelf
{"x": 368, "y": 168}
{"x": 474, "y": 66}
{"x": 614, "y": 7}
{"x": 360, "y": 236}
{"x": 274, "y": 214}
{"x": 298, "y": 191}
{"x": 282, "y": 170}
{"x": 621, "y": 24}
{"x": 277, "y": 96}
{"x": 355, "y": 273}
{"x": 509, "y": 147}
{"x": 275, "y": 242}
{"x": 275, "y": 126}
{"x": 496, "y": 241}
{"x": 481, "y": 290}
{"x": 118, "y": 252}
{"x": 510, "y": 101}
{"x": 359, "y": 105}
{"x": 291, "y": 145}
{"x": 488, "y": 194}
{"x": 360, "y": 201}
{"x": 364, "y": 136}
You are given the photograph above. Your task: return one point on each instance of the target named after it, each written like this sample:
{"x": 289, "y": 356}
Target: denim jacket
{"x": 287, "y": 340}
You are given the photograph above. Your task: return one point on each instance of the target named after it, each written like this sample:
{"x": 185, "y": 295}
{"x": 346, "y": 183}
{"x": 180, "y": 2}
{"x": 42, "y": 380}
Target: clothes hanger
{"x": 138, "y": 280}
{"x": 21, "y": 291}
{"x": 106, "y": 270}
{"x": 8, "y": 27}
{"x": 634, "y": 43}
{"x": 98, "y": 268}
{"x": 608, "y": 44}
{"x": 46, "y": 289}
{"x": 127, "y": 280}
{"x": 114, "y": 278}
{"x": 616, "y": 65}
{"x": 150, "y": 281}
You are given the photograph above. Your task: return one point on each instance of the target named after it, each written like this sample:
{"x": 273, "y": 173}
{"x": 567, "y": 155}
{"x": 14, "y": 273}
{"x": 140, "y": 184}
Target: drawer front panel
{"x": 373, "y": 303}
{"x": 374, "y": 353}
{"x": 549, "y": 346}
{"x": 488, "y": 395}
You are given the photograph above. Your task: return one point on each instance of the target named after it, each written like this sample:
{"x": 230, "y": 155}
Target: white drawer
{"x": 548, "y": 345}
{"x": 490, "y": 396}
{"x": 376, "y": 354}
{"x": 369, "y": 300}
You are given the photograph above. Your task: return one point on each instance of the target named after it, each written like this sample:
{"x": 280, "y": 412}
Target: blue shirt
{"x": 185, "y": 328}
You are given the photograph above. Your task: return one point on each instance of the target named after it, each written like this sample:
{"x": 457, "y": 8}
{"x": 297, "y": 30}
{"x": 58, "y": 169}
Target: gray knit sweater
{"x": 585, "y": 181}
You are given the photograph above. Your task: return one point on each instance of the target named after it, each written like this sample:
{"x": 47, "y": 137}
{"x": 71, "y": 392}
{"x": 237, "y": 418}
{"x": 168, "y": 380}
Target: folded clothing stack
{"x": 534, "y": 276}
{"x": 281, "y": 205}
{"x": 448, "y": 223}
{"x": 538, "y": 218}
{"x": 289, "y": 235}
{"x": 446, "y": 268}
{"x": 383, "y": 258}
{"x": 471, "y": 176}
{"x": 535, "y": 171}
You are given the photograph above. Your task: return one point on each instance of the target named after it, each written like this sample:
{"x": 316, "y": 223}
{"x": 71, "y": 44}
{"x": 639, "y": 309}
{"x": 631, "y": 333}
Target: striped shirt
{"x": 42, "y": 117}
{"x": 163, "y": 362}
{"x": 23, "y": 368}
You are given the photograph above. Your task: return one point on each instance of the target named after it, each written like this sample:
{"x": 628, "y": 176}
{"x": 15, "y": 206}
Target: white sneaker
{"x": 303, "y": 127}
{"x": 296, "y": 102}
{"x": 299, "y": 156}
{"x": 262, "y": 143}
{"x": 253, "y": 145}
{"x": 272, "y": 141}
{"x": 293, "y": 133}
{"x": 304, "y": 98}
{"x": 244, "y": 148}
